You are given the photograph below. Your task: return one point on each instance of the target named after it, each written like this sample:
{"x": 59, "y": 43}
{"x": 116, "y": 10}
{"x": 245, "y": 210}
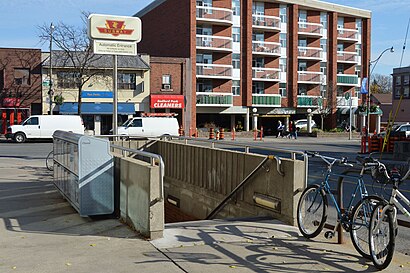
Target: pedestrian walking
{"x": 294, "y": 130}
{"x": 280, "y": 129}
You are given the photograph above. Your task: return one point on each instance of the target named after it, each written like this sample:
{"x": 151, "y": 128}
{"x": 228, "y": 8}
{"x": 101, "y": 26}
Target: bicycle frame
{"x": 395, "y": 204}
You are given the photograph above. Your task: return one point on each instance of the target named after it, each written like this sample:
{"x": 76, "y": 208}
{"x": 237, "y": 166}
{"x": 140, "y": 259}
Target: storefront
{"x": 97, "y": 117}
{"x": 11, "y": 113}
{"x": 168, "y": 104}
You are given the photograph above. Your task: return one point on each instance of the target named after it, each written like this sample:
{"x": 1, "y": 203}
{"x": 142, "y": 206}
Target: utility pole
{"x": 50, "y": 84}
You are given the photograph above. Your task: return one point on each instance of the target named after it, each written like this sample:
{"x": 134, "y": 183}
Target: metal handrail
{"x": 152, "y": 162}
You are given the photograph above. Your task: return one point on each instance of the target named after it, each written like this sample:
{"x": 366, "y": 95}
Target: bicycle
{"x": 383, "y": 222}
{"x": 313, "y": 203}
{"x": 50, "y": 161}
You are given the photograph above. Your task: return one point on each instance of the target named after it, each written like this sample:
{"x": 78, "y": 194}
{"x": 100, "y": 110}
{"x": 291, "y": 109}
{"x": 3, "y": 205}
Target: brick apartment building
{"x": 20, "y": 85}
{"x": 401, "y": 87}
{"x": 268, "y": 59}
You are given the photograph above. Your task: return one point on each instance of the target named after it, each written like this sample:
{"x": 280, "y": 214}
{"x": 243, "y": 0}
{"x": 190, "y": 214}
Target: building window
{"x": 397, "y": 92}
{"x": 303, "y": 16}
{"x": 204, "y": 30}
{"x": 204, "y": 86}
{"x": 406, "y": 92}
{"x": 282, "y": 39}
{"x": 302, "y": 90}
{"x": 398, "y": 80}
{"x": 323, "y": 68}
{"x": 282, "y": 89}
{"x": 405, "y": 79}
{"x": 236, "y": 34}
{"x": 204, "y": 58}
{"x": 126, "y": 81}
{"x": 359, "y": 25}
{"x": 166, "y": 82}
{"x": 323, "y": 19}
{"x": 340, "y": 47}
{"x": 236, "y": 88}
{"x": 258, "y": 62}
{"x": 259, "y": 37}
{"x": 22, "y": 76}
{"x": 283, "y": 14}
{"x": 357, "y": 92}
{"x": 236, "y": 61}
{"x": 67, "y": 80}
{"x": 340, "y": 69}
{"x": 258, "y": 88}
{"x": 323, "y": 89}
{"x": 258, "y": 8}
{"x": 302, "y": 66}
{"x": 323, "y": 45}
{"x": 236, "y": 7}
{"x": 282, "y": 64}
{"x": 358, "y": 49}
{"x": 340, "y": 23}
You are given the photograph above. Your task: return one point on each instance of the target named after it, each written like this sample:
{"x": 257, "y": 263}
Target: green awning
{"x": 364, "y": 113}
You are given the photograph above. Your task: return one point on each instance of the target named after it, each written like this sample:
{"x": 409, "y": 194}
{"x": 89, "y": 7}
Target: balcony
{"x": 216, "y": 16}
{"x": 266, "y": 23}
{"x": 310, "y": 101}
{"x": 347, "y": 80}
{"x": 214, "y": 99}
{"x": 265, "y": 48}
{"x": 214, "y": 71}
{"x": 214, "y": 43}
{"x": 265, "y": 74}
{"x": 270, "y": 100}
{"x": 348, "y": 34}
{"x": 341, "y": 102}
{"x": 347, "y": 57}
{"x": 310, "y": 29}
{"x": 310, "y": 77}
{"x": 310, "y": 53}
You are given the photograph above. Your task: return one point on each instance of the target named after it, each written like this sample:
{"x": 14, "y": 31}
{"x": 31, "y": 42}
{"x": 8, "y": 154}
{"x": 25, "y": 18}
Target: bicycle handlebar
{"x": 342, "y": 161}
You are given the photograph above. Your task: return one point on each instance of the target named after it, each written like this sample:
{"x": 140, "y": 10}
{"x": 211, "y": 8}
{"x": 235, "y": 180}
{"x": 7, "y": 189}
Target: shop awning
{"x": 91, "y": 108}
{"x": 364, "y": 113}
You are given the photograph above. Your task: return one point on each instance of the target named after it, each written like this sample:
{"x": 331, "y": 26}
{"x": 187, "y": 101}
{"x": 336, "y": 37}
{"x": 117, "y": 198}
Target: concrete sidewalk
{"x": 43, "y": 233}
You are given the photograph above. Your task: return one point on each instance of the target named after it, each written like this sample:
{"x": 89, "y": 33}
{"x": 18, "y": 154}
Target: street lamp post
{"x": 391, "y": 49}
{"x": 50, "y": 84}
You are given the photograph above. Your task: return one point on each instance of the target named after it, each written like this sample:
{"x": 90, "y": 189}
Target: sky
{"x": 21, "y": 19}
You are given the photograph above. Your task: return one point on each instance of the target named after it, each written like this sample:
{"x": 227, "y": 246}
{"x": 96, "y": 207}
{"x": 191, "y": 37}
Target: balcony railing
{"x": 265, "y": 74}
{"x": 214, "y": 15}
{"x": 347, "y": 57}
{"x": 310, "y": 77}
{"x": 218, "y": 43}
{"x": 214, "y": 99}
{"x": 310, "y": 29}
{"x": 271, "y": 100}
{"x": 343, "y": 102}
{"x": 349, "y": 80}
{"x": 310, "y": 101}
{"x": 214, "y": 71}
{"x": 265, "y": 48}
{"x": 266, "y": 22}
{"x": 310, "y": 53}
{"x": 347, "y": 34}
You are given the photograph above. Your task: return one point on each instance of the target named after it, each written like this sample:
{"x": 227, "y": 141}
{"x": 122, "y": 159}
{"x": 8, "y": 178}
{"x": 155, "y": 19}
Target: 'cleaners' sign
{"x": 167, "y": 101}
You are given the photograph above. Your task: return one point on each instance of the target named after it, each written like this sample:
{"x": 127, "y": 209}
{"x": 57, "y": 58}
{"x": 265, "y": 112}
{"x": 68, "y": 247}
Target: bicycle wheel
{"x": 381, "y": 240}
{"x": 50, "y": 161}
{"x": 312, "y": 211}
{"x": 360, "y": 222}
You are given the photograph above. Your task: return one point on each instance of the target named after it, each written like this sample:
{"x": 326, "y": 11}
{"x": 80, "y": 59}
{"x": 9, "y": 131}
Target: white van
{"x": 149, "y": 127}
{"x": 43, "y": 126}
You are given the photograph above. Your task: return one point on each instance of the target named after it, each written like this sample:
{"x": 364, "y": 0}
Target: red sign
{"x": 167, "y": 101}
{"x": 11, "y": 102}
{"x": 115, "y": 28}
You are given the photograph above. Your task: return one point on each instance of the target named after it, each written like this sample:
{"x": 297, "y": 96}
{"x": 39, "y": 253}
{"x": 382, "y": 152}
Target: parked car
{"x": 44, "y": 126}
{"x": 301, "y": 124}
{"x": 398, "y": 130}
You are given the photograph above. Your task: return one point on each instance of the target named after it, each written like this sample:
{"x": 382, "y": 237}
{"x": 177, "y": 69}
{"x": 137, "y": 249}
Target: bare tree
{"x": 76, "y": 51}
{"x": 329, "y": 103}
{"x": 381, "y": 84}
{"x": 24, "y": 88}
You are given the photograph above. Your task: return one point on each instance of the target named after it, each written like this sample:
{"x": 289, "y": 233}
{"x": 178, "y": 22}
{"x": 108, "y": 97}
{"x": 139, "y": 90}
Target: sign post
{"x": 114, "y": 35}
